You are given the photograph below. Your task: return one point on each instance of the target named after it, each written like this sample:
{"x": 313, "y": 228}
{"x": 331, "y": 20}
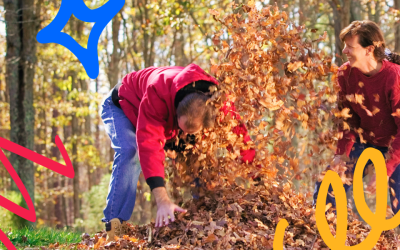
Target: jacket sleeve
{"x": 393, "y": 92}
{"x": 152, "y": 117}
{"x": 248, "y": 154}
{"x": 346, "y": 143}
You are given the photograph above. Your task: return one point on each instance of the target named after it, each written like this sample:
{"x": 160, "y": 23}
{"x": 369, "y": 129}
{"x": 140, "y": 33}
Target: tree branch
{"x": 129, "y": 47}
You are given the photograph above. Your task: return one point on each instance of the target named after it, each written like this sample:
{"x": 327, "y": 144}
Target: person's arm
{"x": 346, "y": 143}
{"x": 153, "y": 114}
{"x": 393, "y": 92}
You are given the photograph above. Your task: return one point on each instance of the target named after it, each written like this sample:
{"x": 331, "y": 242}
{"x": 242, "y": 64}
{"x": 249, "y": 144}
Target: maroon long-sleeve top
{"x": 381, "y": 98}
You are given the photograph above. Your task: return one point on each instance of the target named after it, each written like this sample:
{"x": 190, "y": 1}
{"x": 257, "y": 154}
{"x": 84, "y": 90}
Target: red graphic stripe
{"x": 29, "y": 214}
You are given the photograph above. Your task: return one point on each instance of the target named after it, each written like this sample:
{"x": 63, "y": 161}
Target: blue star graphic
{"x": 100, "y": 16}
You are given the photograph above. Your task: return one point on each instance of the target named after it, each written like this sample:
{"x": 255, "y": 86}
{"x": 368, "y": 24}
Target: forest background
{"x": 48, "y": 92}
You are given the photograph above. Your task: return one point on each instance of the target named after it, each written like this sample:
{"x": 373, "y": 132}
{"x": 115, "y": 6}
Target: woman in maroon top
{"x": 370, "y": 89}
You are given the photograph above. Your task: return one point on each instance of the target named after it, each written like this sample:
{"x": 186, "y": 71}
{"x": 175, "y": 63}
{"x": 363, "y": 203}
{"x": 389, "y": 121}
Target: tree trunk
{"x": 113, "y": 68}
{"x": 341, "y": 17}
{"x": 355, "y": 10}
{"x": 21, "y": 29}
{"x": 88, "y": 134}
{"x": 3, "y": 85}
{"x": 40, "y": 146}
{"x": 66, "y": 200}
{"x": 144, "y": 209}
{"x": 397, "y": 29}
{"x": 180, "y": 57}
{"x": 377, "y": 15}
{"x": 302, "y": 13}
{"x": 99, "y": 146}
{"x": 74, "y": 141}
{"x": 57, "y": 184}
{"x": 148, "y": 38}
{"x": 70, "y": 201}
{"x": 59, "y": 205}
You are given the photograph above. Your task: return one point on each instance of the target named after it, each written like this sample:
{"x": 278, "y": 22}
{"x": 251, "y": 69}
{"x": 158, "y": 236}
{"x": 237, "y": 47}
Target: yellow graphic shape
{"x": 279, "y": 234}
{"x": 376, "y": 220}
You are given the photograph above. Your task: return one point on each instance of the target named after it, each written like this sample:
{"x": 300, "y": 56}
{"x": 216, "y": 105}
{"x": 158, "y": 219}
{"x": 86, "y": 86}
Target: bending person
{"x": 140, "y": 115}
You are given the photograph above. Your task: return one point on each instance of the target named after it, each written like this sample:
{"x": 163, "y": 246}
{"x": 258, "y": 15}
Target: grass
{"x": 31, "y": 237}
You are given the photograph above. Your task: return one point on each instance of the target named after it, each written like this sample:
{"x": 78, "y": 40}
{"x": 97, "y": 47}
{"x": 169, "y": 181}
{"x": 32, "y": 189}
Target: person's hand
{"x": 165, "y": 207}
{"x": 371, "y": 188}
{"x": 337, "y": 162}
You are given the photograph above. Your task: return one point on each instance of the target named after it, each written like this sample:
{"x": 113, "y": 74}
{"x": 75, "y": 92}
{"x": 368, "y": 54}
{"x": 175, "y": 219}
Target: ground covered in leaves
{"x": 239, "y": 218}
{"x": 279, "y": 92}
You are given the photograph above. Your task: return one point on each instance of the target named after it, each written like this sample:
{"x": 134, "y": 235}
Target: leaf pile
{"x": 239, "y": 218}
{"x": 276, "y": 84}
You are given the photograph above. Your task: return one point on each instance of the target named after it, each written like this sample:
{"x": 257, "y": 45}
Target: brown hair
{"x": 393, "y": 57}
{"x": 368, "y": 34}
{"x": 197, "y": 111}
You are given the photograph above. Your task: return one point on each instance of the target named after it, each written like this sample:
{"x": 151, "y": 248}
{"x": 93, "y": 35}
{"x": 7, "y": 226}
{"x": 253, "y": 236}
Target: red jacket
{"x": 381, "y": 94}
{"x": 147, "y": 99}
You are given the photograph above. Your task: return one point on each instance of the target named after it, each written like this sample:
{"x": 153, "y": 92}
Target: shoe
{"x": 113, "y": 228}
{"x": 124, "y": 228}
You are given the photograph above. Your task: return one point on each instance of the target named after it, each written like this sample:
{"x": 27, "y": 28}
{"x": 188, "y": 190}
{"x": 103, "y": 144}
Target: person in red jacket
{"x": 370, "y": 90}
{"x": 140, "y": 115}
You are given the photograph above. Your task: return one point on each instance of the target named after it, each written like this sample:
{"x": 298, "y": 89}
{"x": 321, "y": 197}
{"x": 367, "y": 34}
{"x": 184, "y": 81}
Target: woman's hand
{"x": 165, "y": 207}
{"x": 371, "y": 188}
{"x": 337, "y": 162}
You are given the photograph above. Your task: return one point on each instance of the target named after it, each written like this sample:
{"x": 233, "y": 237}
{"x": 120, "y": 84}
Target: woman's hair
{"x": 197, "y": 111}
{"x": 368, "y": 34}
{"x": 392, "y": 57}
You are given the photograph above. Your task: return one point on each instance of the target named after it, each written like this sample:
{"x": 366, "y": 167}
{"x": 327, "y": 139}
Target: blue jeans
{"x": 126, "y": 168}
{"x": 354, "y": 155}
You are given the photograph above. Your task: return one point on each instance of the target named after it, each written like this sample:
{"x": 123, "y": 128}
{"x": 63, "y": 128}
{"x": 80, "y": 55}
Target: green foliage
{"x": 92, "y": 207}
{"x": 30, "y": 237}
{"x": 9, "y": 219}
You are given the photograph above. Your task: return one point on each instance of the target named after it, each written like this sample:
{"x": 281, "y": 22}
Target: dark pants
{"x": 358, "y": 148}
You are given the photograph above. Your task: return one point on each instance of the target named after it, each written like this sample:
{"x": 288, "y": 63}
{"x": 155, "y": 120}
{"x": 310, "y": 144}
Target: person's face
{"x": 182, "y": 124}
{"x": 356, "y": 54}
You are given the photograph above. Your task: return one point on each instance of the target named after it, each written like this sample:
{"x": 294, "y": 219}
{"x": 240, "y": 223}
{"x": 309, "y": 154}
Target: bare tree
{"x": 21, "y": 18}
{"x": 341, "y": 17}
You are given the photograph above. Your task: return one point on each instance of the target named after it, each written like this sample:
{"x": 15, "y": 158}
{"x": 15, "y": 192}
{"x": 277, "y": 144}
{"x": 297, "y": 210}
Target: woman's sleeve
{"x": 393, "y": 93}
{"x": 346, "y": 143}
